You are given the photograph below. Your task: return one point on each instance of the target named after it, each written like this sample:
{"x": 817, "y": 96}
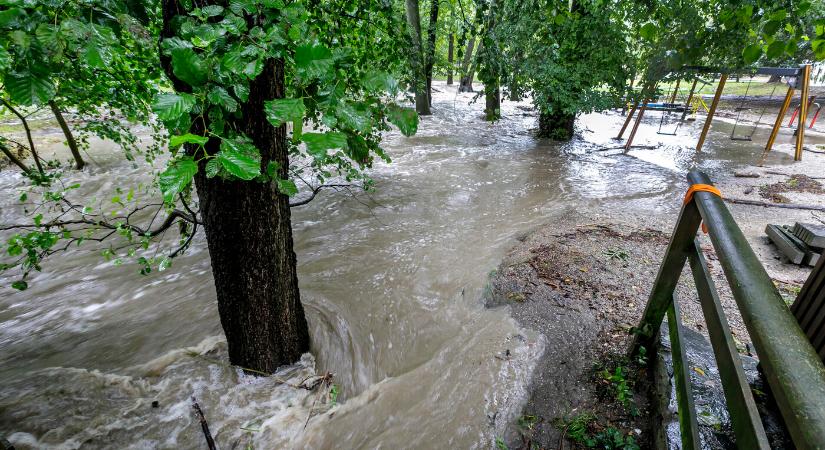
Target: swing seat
{"x": 741, "y": 138}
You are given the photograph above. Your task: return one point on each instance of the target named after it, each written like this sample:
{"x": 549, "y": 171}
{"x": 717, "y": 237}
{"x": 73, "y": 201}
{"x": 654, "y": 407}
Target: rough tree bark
{"x": 430, "y": 56}
{"x": 492, "y": 102}
{"x": 467, "y": 68}
{"x": 557, "y": 126}
{"x": 450, "y": 45}
{"x": 249, "y": 235}
{"x": 70, "y": 141}
{"x": 422, "y": 101}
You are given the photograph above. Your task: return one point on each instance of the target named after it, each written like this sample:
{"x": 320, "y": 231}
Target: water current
{"x": 392, "y": 281}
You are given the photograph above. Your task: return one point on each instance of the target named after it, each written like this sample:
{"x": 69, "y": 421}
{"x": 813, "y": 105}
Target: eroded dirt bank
{"x": 583, "y": 283}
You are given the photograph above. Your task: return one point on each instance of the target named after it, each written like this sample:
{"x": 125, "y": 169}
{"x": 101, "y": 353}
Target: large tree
{"x": 247, "y": 78}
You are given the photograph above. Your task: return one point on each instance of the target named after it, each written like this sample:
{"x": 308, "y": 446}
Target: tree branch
{"x": 314, "y": 193}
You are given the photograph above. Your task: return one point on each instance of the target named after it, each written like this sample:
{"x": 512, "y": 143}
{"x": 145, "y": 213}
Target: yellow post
{"x": 803, "y": 112}
{"x": 636, "y": 125}
{"x": 778, "y": 124}
{"x": 629, "y": 117}
{"x": 675, "y": 91}
{"x": 690, "y": 97}
{"x": 711, "y": 111}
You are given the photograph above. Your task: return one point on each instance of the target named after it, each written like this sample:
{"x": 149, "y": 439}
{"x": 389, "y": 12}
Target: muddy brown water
{"x": 392, "y": 282}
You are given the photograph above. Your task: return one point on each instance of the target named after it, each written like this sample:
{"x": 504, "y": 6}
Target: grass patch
{"x": 586, "y": 430}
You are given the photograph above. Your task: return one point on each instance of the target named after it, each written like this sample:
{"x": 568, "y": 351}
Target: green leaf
{"x": 20, "y": 285}
{"x": 5, "y": 58}
{"x": 27, "y": 88}
{"x": 282, "y": 110}
{"x": 12, "y": 17}
{"x": 376, "y": 81}
{"x": 94, "y": 56}
{"x": 353, "y": 118}
{"x": 170, "y": 107}
{"x": 241, "y": 159}
{"x": 287, "y": 187}
{"x": 648, "y": 31}
{"x": 770, "y": 28}
{"x": 752, "y": 53}
{"x": 319, "y": 143}
{"x": 188, "y": 138}
{"x": 241, "y": 91}
{"x": 212, "y": 10}
{"x": 219, "y": 96}
{"x": 213, "y": 167}
{"x": 406, "y": 119}
{"x": 165, "y": 263}
{"x": 177, "y": 177}
{"x": 189, "y": 67}
{"x": 313, "y": 60}
{"x": 776, "y": 49}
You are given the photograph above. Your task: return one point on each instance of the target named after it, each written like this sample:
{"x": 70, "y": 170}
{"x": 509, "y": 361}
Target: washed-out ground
{"x": 583, "y": 283}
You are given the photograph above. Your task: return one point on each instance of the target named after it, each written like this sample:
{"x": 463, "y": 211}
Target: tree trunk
{"x": 557, "y": 126}
{"x": 467, "y": 68}
{"x": 249, "y": 235}
{"x": 492, "y": 100}
{"x": 70, "y": 141}
{"x": 13, "y": 159}
{"x": 28, "y": 130}
{"x": 450, "y": 59}
{"x": 430, "y": 56}
{"x": 422, "y": 101}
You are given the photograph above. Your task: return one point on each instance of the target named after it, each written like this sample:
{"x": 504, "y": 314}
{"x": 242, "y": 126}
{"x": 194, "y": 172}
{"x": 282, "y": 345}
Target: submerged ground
{"x": 95, "y": 355}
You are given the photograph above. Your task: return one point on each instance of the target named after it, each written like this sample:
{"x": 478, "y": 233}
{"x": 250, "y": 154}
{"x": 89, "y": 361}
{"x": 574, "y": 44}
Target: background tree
{"x": 571, "y": 60}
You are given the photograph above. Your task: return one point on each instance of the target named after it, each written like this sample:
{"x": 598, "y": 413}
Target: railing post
{"x": 747, "y": 425}
{"x": 671, "y": 269}
{"x": 792, "y": 367}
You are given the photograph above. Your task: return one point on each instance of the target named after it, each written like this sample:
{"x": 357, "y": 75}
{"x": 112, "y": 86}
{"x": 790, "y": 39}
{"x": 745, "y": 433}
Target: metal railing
{"x": 791, "y": 366}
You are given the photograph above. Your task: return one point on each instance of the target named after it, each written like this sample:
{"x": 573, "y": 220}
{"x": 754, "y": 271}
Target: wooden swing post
{"x": 628, "y": 119}
{"x": 675, "y": 91}
{"x": 803, "y": 112}
{"x": 711, "y": 112}
{"x": 629, "y": 142}
{"x": 778, "y": 124}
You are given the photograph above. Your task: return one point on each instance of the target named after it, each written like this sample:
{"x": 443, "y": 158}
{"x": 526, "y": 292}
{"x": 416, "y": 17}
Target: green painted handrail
{"x": 792, "y": 367}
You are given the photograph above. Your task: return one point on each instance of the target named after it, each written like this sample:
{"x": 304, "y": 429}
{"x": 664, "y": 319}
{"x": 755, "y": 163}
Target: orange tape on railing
{"x": 694, "y": 188}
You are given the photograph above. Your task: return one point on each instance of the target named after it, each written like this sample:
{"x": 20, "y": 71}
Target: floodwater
{"x": 392, "y": 281}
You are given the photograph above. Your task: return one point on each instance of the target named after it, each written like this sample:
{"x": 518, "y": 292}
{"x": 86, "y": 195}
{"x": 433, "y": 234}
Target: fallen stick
{"x": 204, "y": 425}
{"x": 742, "y": 201}
{"x": 746, "y": 175}
{"x": 773, "y": 172}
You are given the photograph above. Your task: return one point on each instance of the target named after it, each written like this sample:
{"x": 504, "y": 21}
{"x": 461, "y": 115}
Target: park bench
{"x": 789, "y": 344}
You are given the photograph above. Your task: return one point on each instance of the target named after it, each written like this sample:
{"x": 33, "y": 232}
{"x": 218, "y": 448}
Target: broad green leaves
{"x": 240, "y": 159}
{"x": 189, "y": 67}
{"x": 752, "y": 53}
{"x": 405, "y": 119}
{"x": 28, "y": 88}
{"x": 170, "y": 107}
{"x": 177, "y": 177}
{"x": 282, "y": 110}
{"x": 188, "y": 138}
{"x": 313, "y": 60}
{"x": 318, "y": 143}
{"x": 648, "y": 31}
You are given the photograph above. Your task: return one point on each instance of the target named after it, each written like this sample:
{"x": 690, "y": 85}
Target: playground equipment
{"x": 800, "y": 77}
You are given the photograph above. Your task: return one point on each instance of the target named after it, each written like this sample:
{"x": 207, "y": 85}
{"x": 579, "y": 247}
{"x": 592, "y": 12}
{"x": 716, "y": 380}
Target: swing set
{"x": 800, "y": 77}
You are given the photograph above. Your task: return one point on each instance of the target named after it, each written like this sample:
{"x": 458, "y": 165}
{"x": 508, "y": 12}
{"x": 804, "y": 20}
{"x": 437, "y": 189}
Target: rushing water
{"x": 392, "y": 282}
